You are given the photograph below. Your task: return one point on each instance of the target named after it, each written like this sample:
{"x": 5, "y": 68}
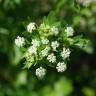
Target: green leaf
{"x": 29, "y": 62}
{"x": 16, "y": 55}
{"x": 50, "y": 19}
{"x": 83, "y": 44}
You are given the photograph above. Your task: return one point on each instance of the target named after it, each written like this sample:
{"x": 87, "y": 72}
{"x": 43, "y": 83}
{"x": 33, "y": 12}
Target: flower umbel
{"x": 55, "y": 45}
{"x": 51, "y": 58}
{"x": 31, "y": 27}
{"x": 65, "y": 53}
{"x": 35, "y": 43}
{"x": 45, "y": 51}
{"x": 32, "y": 50}
{"x": 61, "y": 67}
{"x": 54, "y": 30}
{"x": 40, "y": 72}
{"x": 45, "y": 40}
{"x": 19, "y": 41}
{"x": 70, "y": 31}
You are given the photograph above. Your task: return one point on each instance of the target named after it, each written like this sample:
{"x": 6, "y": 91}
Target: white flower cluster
{"x": 54, "y": 45}
{"x": 70, "y": 31}
{"x": 45, "y": 51}
{"x": 31, "y": 27}
{"x": 65, "y": 53}
{"x": 44, "y": 40}
{"x": 19, "y": 41}
{"x": 40, "y": 72}
{"x": 33, "y": 49}
{"x": 54, "y": 30}
{"x": 52, "y": 58}
{"x": 61, "y": 67}
{"x": 44, "y": 47}
{"x": 35, "y": 43}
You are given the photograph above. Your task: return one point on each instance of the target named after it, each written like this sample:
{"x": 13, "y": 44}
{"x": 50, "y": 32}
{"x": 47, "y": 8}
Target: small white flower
{"x": 30, "y": 27}
{"x": 32, "y": 50}
{"x": 70, "y": 31}
{"x": 45, "y": 51}
{"x": 45, "y": 40}
{"x": 19, "y": 41}
{"x": 35, "y": 43}
{"x": 51, "y": 58}
{"x": 40, "y": 72}
{"x": 55, "y": 45}
{"x": 54, "y": 30}
{"x": 65, "y": 53}
{"x": 61, "y": 67}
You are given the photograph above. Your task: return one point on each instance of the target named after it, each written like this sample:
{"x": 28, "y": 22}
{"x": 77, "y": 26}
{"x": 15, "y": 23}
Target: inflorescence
{"x": 47, "y": 45}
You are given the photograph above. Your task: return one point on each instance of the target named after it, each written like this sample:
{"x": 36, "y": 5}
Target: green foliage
{"x": 83, "y": 44}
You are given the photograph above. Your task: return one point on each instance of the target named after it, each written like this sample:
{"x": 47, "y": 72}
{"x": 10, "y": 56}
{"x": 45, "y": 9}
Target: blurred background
{"x": 80, "y": 77}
